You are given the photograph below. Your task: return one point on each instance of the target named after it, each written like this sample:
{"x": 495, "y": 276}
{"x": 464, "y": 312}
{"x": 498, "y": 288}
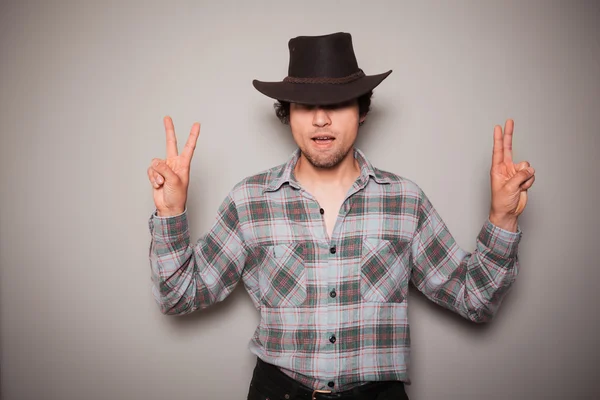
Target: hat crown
{"x": 327, "y": 56}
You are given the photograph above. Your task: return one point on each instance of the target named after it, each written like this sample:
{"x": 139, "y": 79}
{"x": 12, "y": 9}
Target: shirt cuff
{"x": 500, "y": 241}
{"x": 169, "y": 229}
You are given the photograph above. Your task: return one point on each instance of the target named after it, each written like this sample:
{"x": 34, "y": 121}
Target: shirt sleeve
{"x": 470, "y": 284}
{"x": 187, "y": 276}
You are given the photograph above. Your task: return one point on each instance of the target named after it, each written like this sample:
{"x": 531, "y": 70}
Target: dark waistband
{"x": 277, "y": 381}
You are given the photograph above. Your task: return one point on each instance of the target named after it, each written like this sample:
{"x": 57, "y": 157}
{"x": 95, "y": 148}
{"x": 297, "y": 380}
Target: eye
{"x": 304, "y": 107}
{"x": 339, "y": 106}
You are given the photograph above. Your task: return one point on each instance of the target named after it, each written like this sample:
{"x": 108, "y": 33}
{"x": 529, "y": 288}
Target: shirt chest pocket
{"x": 384, "y": 273}
{"x": 282, "y": 276}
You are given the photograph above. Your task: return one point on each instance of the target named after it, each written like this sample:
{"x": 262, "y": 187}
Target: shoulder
{"x": 254, "y": 186}
{"x": 389, "y": 183}
{"x": 396, "y": 183}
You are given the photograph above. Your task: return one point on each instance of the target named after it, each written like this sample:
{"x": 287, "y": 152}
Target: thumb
{"x": 520, "y": 177}
{"x": 162, "y": 168}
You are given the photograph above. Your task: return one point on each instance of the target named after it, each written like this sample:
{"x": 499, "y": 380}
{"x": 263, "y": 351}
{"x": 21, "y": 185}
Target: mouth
{"x": 323, "y": 139}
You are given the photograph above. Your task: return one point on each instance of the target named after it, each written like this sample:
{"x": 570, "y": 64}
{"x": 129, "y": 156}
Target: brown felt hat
{"x": 322, "y": 70}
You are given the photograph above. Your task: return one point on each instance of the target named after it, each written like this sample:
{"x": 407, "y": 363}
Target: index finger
{"x": 498, "y": 154}
{"x": 190, "y": 145}
{"x": 171, "y": 139}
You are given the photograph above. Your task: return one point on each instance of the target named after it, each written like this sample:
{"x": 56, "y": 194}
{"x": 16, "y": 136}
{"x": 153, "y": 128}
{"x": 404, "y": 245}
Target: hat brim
{"x": 319, "y": 93}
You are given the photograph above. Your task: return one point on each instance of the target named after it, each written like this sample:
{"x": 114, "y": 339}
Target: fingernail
{"x": 159, "y": 179}
{"x": 530, "y": 170}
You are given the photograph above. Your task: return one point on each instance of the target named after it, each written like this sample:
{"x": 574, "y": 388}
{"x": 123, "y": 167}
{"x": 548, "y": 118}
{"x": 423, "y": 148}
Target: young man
{"x": 326, "y": 243}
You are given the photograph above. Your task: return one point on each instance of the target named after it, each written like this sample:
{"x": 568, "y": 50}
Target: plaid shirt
{"x": 333, "y": 310}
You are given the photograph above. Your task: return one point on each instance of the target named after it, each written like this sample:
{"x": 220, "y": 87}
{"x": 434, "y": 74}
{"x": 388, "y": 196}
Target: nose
{"x": 321, "y": 117}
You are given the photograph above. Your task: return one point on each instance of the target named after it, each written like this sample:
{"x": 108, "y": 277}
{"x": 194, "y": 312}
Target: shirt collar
{"x": 285, "y": 173}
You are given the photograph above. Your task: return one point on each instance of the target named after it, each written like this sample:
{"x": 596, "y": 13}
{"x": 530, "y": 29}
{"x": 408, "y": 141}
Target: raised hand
{"x": 170, "y": 177}
{"x": 509, "y": 181}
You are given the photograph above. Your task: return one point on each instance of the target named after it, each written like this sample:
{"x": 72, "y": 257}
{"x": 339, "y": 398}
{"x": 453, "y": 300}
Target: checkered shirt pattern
{"x": 333, "y": 311}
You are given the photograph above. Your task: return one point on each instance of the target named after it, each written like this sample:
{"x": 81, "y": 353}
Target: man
{"x": 326, "y": 244}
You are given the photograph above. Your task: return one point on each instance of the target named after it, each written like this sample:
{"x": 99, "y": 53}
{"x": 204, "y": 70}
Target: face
{"x": 325, "y": 134}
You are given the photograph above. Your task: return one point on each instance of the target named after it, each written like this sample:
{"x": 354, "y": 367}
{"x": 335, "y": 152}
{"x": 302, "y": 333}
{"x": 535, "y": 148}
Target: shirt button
{"x": 333, "y": 293}
{"x": 332, "y": 338}
{"x": 322, "y": 211}
{"x": 332, "y": 250}
{"x": 331, "y": 384}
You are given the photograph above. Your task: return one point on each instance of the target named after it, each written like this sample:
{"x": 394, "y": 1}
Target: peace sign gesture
{"x": 509, "y": 181}
{"x": 170, "y": 177}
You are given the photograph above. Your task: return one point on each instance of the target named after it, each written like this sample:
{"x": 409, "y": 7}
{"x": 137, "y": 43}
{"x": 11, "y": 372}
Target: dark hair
{"x": 282, "y": 108}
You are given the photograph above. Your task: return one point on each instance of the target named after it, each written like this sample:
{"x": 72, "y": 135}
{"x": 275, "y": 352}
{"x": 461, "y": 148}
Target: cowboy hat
{"x": 322, "y": 70}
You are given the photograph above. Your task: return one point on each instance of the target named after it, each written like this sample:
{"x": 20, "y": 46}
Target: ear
{"x": 362, "y": 119}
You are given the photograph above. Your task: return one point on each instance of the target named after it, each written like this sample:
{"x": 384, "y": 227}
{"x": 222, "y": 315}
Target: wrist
{"x": 169, "y": 213}
{"x": 506, "y": 222}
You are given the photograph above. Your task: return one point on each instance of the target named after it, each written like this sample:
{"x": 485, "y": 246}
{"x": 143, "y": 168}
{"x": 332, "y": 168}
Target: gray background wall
{"x": 84, "y": 87}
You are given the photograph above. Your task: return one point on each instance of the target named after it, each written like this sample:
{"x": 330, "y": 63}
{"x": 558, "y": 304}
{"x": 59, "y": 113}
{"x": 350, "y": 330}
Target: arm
{"x": 186, "y": 276}
{"x": 470, "y": 284}
{"x": 474, "y": 284}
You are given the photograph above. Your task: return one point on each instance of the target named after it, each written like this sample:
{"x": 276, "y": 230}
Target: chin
{"x": 325, "y": 161}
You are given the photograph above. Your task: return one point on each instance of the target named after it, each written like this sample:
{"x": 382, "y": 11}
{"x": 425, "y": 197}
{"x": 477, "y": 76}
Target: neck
{"x": 345, "y": 173}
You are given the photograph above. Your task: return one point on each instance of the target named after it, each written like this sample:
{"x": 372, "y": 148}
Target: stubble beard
{"x": 326, "y": 161}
